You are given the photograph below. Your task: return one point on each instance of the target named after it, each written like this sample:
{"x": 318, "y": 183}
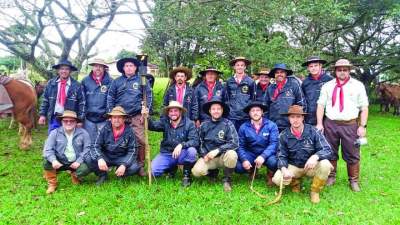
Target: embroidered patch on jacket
{"x": 245, "y": 89}
{"x": 221, "y": 134}
{"x": 218, "y": 93}
{"x": 135, "y": 86}
{"x": 103, "y": 88}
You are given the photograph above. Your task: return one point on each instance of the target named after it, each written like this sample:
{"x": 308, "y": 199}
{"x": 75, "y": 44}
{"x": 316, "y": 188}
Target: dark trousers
{"x": 344, "y": 135}
{"x": 164, "y": 161}
{"x": 81, "y": 171}
{"x": 132, "y": 169}
{"x": 271, "y": 163}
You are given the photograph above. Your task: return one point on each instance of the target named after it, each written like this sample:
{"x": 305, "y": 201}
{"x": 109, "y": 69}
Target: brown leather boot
{"x": 269, "y": 176}
{"x": 332, "y": 176}
{"x": 51, "y": 177}
{"x": 353, "y": 172}
{"x": 316, "y": 187}
{"x": 296, "y": 185}
{"x": 228, "y": 179}
{"x": 74, "y": 178}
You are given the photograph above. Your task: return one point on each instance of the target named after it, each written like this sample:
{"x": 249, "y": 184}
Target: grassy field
{"x": 132, "y": 201}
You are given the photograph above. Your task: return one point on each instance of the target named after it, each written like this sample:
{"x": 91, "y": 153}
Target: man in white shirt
{"x": 342, "y": 114}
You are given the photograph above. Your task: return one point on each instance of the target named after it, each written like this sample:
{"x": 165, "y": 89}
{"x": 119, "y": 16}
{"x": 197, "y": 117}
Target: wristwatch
{"x": 365, "y": 126}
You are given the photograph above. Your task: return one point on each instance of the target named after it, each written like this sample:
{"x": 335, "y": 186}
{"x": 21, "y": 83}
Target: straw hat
{"x": 98, "y": 61}
{"x": 174, "y": 104}
{"x": 239, "y": 58}
{"x": 295, "y": 109}
{"x": 263, "y": 71}
{"x": 343, "y": 62}
{"x": 185, "y": 70}
{"x": 69, "y": 114}
{"x": 117, "y": 111}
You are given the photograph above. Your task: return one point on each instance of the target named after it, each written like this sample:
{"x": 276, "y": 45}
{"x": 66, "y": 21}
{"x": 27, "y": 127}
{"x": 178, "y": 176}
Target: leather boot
{"x": 213, "y": 175}
{"x": 332, "y": 176}
{"x": 268, "y": 177}
{"x": 142, "y": 172}
{"x": 353, "y": 172}
{"x": 296, "y": 185}
{"x": 51, "y": 177}
{"x": 74, "y": 178}
{"x": 172, "y": 172}
{"x": 101, "y": 178}
{"x": 316, "y": 187}
{"x": 187, "y": 180}
{"x": 228, "y": 179}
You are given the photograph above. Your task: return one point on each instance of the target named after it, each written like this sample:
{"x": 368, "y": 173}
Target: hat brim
{"x": 272, "y": 72}
{"x": 252, "y": 105}
{"x": 115, "y": 114}
{"x": 206, "y": 107}
{"x": 59, "y": 118}
{"x": 97, "y": 63}
{"x": 246, "y": 61}
{"x": 203, "y": 72}
{"x": 72, "y": 67}
{"x": 121, "y": 63}
{"x": 323, "y": 62}
{"x": 287, "y": 114}
{"x": 185, "y": 70}
{"x": 348, "y": 65}
{"x": 166, "y": 108}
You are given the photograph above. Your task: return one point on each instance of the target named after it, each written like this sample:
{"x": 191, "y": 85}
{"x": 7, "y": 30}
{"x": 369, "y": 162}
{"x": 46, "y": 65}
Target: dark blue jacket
{"x": 220, "y": 134}
{"x": 125, "y": 146}
{"x": 75, "y": 99}
{"x": 170, "y": 95}
{"x": 200, "y": 97}
{"x": 291, "y": 94}
{"x": 185, "y": 133}
{"x": 239, "y": 96}
{"x": 296, "y": 152}
{"x": 264, "y": 144}
{"x": 259, "y": 94}
{"x": 127, "y": 92}
{"x": 311, "y": 89}
{"x": 96, "y": 97}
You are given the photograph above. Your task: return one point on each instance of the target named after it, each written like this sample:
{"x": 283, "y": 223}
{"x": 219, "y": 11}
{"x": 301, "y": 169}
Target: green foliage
{"x": 125, "y": 54}
{"x": 132, "y": 201}
{"x": 10, "y": 63}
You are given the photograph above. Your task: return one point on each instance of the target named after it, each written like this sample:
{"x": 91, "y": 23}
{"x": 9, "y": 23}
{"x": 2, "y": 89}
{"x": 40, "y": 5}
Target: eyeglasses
{"x": 68, "y": 121}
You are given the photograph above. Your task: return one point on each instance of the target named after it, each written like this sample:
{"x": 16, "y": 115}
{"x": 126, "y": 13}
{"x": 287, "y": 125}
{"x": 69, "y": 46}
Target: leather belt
{"x": 346, "y": 122}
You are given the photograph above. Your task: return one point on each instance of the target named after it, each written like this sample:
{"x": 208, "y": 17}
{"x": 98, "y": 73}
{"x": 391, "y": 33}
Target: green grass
{"x": 132, "y": 201}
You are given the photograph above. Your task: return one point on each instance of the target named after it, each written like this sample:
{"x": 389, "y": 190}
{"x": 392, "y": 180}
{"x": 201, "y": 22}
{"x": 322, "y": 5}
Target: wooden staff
{"x": 143, "y": 72}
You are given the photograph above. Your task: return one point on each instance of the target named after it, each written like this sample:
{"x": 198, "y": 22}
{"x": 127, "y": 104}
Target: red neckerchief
{"x": 117, "y": 133}
{"x": 297, "y": 134}
{"x": 257, "y": 127}
{"x": 210, "y": 87}
{"x": 179, "y": 91}
{"x": 62, "y": 95}
{"x": 263, "y": 86}
{"x": 341, "y": 95}
{"x": 279, "y": 87}
{"x": 97, "y": 80}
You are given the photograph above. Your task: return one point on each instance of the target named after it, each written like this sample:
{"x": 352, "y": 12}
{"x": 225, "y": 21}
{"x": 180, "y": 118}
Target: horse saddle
{"x": 5, "y": 102}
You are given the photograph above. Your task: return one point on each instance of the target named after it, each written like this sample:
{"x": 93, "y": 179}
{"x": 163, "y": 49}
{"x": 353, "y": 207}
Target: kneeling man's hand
{"x": 177, "y": 151}
{"x": 259, "y": 161}
{"x": 120, "y": 171}
{"x": 75, "y": 165}
{"x": 211, "y": 155}
{"x": 246, "y": 165}
{"x": 56, "y": 164}
{"x": 287, "y": 174}
{"x": 102, "y": 165}
{"x": 311, "y": 162}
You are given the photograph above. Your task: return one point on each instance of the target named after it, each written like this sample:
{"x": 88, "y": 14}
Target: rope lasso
{"x": 277, "y": 198}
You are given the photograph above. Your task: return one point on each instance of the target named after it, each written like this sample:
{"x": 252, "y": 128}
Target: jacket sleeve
{"x": 242, "y": 146}
{"x": 283, "y": 152}
{"x": 300, "y": 98}
{"x": 273, "y": 142}
{"x": 193, "y": 137}
{"x": 202, "y": 150}
{"x": 149, "y": 95}
{"x": 323, "y": 149}
{"x": 157, "y": 125}
{"x": 132, "y": 151}
{"x": 232, "y": 139}
{"x": 166, "y": 98}
{"x": 86, "y": 147}
{"x": 195, "y": 105}
{"x": 49, "y": 152}
{"x": 96, "y": 153}
{"x": 112, "y": 92}
{"x": 44, "y": 107}
{"x": 81, "y": 102}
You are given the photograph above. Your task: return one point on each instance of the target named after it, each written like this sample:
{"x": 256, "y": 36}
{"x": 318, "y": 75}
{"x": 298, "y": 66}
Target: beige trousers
{"x": 227, "y": 159}
{"x": 321, "y": 170}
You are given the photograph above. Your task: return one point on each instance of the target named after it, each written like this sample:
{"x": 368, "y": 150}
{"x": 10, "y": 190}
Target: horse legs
{"x": 11, "y": 122}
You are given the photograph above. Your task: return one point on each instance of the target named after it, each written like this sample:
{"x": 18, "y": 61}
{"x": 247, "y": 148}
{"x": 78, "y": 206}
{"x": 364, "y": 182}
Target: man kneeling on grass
{"x": 116, "y": 146}
{"x": 66, "y": 148}
{"x": 303, "y": 151}
{"x": 218, "y": 143}
{"x": 179, "y": 143}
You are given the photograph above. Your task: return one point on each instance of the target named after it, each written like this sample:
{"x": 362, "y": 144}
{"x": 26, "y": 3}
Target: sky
{"x": 111, "y": 42}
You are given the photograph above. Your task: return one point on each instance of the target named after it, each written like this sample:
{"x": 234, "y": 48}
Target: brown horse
{"x": 24, "y": 99}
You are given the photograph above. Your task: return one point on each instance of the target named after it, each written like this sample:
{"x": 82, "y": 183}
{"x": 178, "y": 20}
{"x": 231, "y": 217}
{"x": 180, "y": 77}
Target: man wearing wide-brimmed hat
{"x": 179, "y": 143}
{"x": 312, "y": 84}
{"x": 95, "y": 88}
{"x": 258, "y": 142}
{"x": 342, "y": 114}
{"x": 303, "y": 151}
{"x": 126, "y": 91}
{"x": 66, "y": 148}
{"x": 218, "y": 144}
{"x": 209, "y": 88}
{"x": 239, "y": 91}
{"x": 282, "y": 94}
{"x": 115, "y": 146}
{"x": 62, "y": 93}
{"x": 180, "y": 90}
{"x": 262, "y": 85}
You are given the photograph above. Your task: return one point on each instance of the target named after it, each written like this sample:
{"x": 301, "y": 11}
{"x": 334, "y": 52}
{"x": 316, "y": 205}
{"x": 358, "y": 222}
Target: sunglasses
{"x": 68, "y": 121}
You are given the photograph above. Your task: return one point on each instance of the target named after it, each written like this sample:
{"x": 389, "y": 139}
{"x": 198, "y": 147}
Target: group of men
{"x": 293, "y": 128}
